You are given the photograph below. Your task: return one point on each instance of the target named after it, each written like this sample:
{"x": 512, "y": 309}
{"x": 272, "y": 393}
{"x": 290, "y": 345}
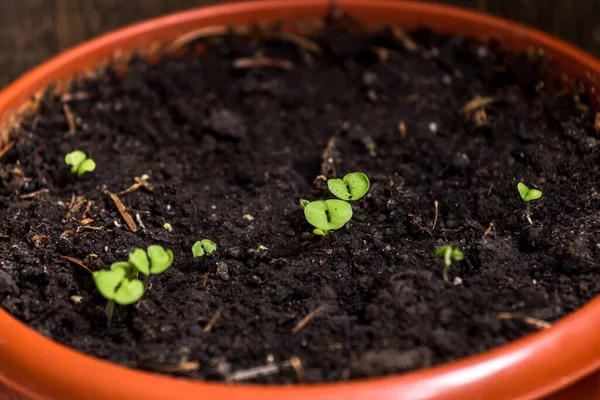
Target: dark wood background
{"x": 34, "y": 30}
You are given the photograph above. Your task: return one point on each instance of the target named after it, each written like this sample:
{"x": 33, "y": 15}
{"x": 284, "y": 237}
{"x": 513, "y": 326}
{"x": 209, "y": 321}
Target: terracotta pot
{"x": 533, "y": 367}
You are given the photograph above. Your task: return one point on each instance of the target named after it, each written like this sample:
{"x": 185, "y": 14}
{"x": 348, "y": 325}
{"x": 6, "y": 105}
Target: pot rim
{"x": 541, "y": 363}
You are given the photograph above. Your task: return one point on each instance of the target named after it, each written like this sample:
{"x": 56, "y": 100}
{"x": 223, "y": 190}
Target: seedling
{"x": 204, "y": 247}
{"x": 168, "y": 227}
{"x": 528, "y": 195}
{"x": 151, "y": 262}
{"x": 354, "y": 186}
{"x": 79, "y": 162}
{"x": 449, "y": 253}
{"x": 118, "y": 285}
{"x": 328, "y": 215}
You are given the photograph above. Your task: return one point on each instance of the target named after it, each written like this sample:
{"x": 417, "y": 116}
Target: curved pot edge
{"x": 454, "y": 379}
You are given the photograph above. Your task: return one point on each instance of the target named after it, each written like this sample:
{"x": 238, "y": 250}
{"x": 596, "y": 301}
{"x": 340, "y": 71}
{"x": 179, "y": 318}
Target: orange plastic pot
{"x": 561, "y": 362}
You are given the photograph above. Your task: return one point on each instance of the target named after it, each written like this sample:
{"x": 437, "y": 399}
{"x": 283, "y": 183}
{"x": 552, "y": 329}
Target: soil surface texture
{"x": 232, "y": 139}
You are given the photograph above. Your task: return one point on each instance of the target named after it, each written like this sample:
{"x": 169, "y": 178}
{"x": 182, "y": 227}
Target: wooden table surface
{"x": 31, "y": 31}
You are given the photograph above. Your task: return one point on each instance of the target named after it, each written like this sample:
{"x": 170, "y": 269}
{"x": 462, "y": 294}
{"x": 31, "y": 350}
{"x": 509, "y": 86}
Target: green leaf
{"x": 209, "y": 246}
{"x": 533, "y": 194}
{"x": 160, "y": 259}
{"x": 74, "y": 159}
{"x": 107, "y": 282}
{"x": 130, "y": 272}
{"x": 198, "y": 250}
{"x": 523, "y": 190}
{"x": 457, "y": 255}
{"x": 129, "y": 292}
{"x": 303, "y": 203}
{"x": 86, "y": 166}
{"x": 440, "y": 251}
{"x": 140, "y": 262}
{"x": 329, "y": 214}
{"x": 319, "y": 232}
{"x": 203, "y": 247}
{"x": 354, "y": 186}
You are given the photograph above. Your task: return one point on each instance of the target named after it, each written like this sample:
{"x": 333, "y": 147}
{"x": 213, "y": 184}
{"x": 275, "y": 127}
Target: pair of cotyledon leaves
{"x": 79, "y": 162}
{"x": 333, "y": 214}
{"x": 120, "y": 283}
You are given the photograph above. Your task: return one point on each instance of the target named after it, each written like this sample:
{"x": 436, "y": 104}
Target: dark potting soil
{"x": 230, "y": 151}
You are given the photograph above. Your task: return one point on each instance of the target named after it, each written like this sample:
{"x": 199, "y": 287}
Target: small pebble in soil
{"x": 223, "y": 270}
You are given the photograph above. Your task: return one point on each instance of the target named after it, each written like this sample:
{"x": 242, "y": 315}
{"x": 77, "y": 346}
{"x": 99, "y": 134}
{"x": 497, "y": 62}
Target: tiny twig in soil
{"x": 212, "y": 321}
{"x": 86, "y": 221}
{"x": 261, "y": 62}
{"x": 34, "y": 194}
{"x": 67, "y": 97}
{"x": 139, "y": 182}
{"x": 596, "y": 124}
{"x": 437, "y": 212}
{"x": 475, "y": 104}
{"x": 304, "y": 321}
{"x": 489, "y": 229}
{"x": 6, "y": 148}
{"x": 187, "y": 366}
{"x": 406, "y": 41}
{"x": 37, "y": 239}
{"x": 202, "y": 33}
{"x": 95, "y": 228}
{"x": 402, "y": 129}
{"x": 256, "y": 372}
{"x": 536, "y": 323}
{"x": 296, "y": 363}
{"x": 87, "y": 209}
{"x": 70, "y": 118}
{"x": 74, "y": 206}
{"x": 76, "y": 261}
{"x": 4, "y": 236}
{"x": 332, "y": 159}
{"x": 123, "y": 211}
{"x": 205, "y": 279}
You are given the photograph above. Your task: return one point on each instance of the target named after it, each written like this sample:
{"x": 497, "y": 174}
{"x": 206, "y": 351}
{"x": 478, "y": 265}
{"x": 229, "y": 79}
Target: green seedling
{"x": 118, "y": 285}
{"x": 528, "y": 195}
{"x": 168, "y": 227}
{"x": 204, "y": 247}
{"x": 354, "y": 186}
{"x": 449, "y": 253}
{"x": 151, "y": 262}
{"x": 328, "y": 215}
{"x": 79, "y": 162}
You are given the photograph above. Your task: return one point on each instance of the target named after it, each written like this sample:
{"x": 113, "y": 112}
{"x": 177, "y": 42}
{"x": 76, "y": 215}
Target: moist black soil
{"x": 229, "y": 152}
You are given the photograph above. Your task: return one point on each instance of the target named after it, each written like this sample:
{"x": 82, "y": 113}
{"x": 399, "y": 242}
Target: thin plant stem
{"x": 528, "y": 212}
{"x": 447, "y": 262}
{"x": 109, "y": 311}
{"x": 146, "y": 279}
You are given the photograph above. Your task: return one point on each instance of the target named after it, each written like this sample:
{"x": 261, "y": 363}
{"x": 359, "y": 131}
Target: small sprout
{"x": 168, "y": 227}
{"x": 261, "y": 248}
{"x": 119, "y": 286}
{"x": 79, "y": 162}
{"x": 354, "y": 186}
{"x": 151, "y": 262}
{"x": 528, "y": 195}
{"x": 327, "y": 215}
{"x": 449, "y": 253}
{"x": 204, "y": 247}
